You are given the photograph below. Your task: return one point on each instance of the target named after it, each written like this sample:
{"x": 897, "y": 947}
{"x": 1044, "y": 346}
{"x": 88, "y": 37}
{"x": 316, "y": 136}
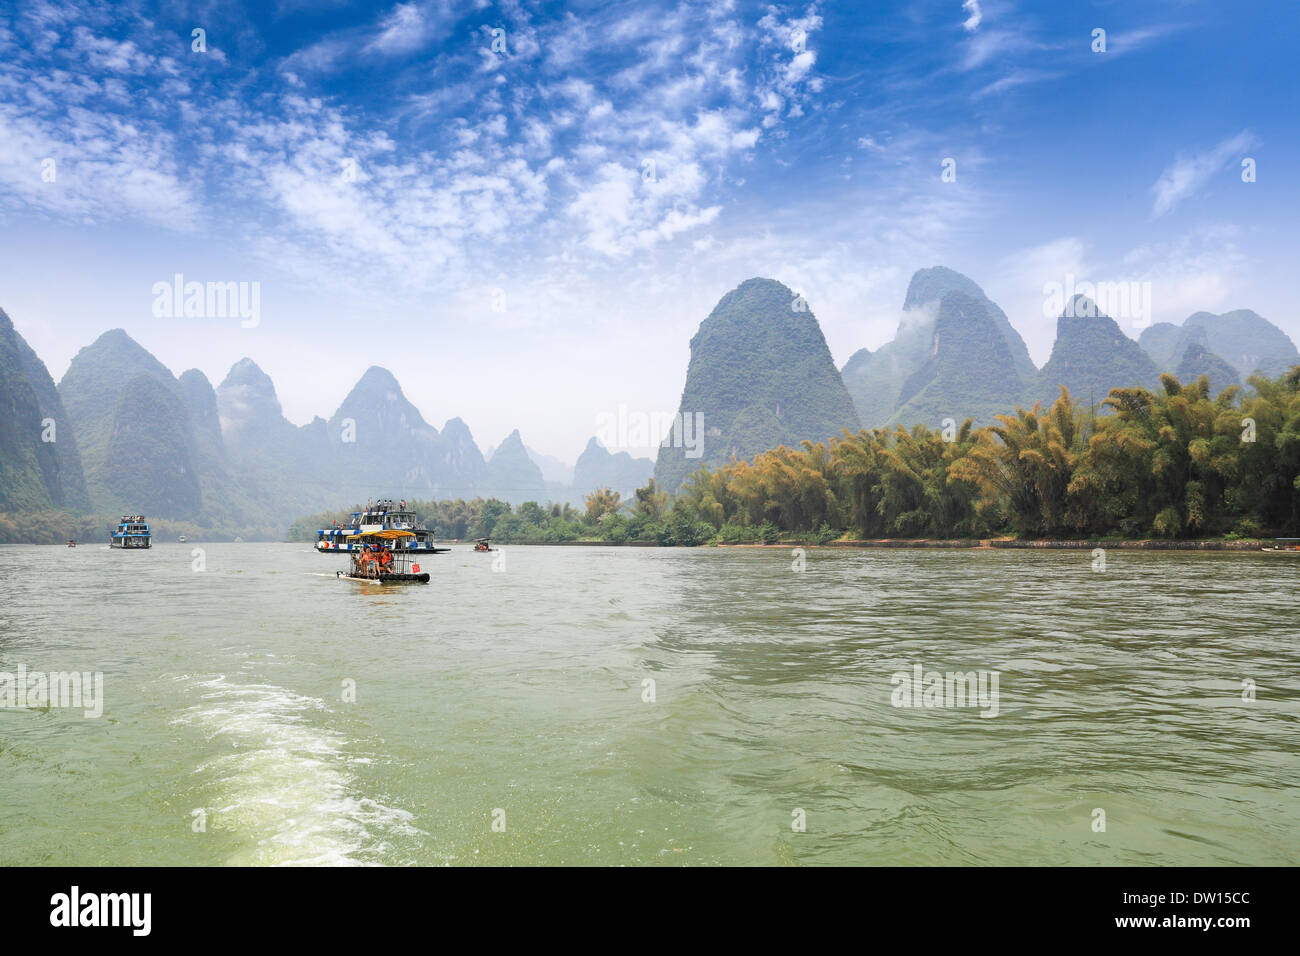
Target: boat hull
{"x": 396, "y": 578}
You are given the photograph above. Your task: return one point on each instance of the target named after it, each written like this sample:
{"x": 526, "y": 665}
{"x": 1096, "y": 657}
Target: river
{"x": 577, "y": 705}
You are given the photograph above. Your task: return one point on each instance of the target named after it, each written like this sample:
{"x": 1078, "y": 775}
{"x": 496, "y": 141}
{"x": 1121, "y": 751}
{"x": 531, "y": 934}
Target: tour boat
{"x": 385, "y": 515}
{"x": 383, "y": 557}
{"x": 132, "y": 533}
{"x": 1284, "y": 546}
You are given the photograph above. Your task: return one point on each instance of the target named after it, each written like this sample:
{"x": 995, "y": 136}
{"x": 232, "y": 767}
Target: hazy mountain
{"x": 29, "y": 467}
{"x": 200, "y": 400}
{"x": 285, "y": 468}
{"x": 1198, "y": 361}
{"x": 249, "y": 411}
{"x": 460, "y": 465}
{"x": 383, "y": 444}
{"x": 760, "y": 374}
{"x": 876, "y": 379}
{"x": 229, "y": 495}
{"x": 1247, "y": 340}
{"x": 1167, "y": 343}
{"x": 67, "y": 484}
{"x": 553, "y": 470}
{"x": 92, "y": 390}
{"x": 931, "y": 285}
{"x": 511, "y": 475}
{"x": 1091, "y": 356}
{"x": 149, "y": 460}
{"x": 969, "y": 373}
{"x": 597, "y": 468}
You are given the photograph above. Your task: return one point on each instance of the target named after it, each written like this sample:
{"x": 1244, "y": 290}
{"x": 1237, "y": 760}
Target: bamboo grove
{"x": 1175, "y": 462}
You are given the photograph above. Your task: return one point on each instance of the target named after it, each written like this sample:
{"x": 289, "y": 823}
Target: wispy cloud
{"x": 1130, "y": 41}
{"x": 1188, "y": 174}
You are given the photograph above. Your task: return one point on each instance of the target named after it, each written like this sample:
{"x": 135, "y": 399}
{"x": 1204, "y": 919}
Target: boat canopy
{"x": 387, "y": 534}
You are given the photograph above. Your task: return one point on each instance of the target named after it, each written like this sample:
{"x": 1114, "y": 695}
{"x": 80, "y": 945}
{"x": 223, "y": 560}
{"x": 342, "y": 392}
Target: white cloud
{"x": 972, "y": 7}
{"x": 1188, "y": 174}
{"x": 1203, "y": 269}
{"x": 404, "y": 29}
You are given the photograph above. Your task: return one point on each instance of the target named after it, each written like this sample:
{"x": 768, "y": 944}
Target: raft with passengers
{"x": 383, "y": 557}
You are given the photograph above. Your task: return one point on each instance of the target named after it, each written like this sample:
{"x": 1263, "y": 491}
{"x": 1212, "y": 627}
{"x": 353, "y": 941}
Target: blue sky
{"x": 529, "y": 236}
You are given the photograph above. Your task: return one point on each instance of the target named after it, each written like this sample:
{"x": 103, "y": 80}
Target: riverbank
{"x": 1146, "y": 544}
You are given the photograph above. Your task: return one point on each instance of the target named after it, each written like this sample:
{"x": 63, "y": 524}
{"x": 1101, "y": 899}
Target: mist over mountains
{"x": 226, "y": 459}
{"x": 121, "y": 434}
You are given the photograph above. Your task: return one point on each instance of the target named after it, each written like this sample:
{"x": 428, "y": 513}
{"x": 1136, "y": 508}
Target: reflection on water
{"x": 652, "y": 706}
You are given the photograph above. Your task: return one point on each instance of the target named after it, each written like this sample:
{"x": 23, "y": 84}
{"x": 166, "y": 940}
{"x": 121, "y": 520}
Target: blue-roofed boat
{"x": 383, "y": 515}
{"x": 131, "y": 534}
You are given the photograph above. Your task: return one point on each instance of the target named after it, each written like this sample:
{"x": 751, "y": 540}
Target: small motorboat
{"x": 72, "y": 542}
{"x": 382, "y": 557}
{"x": 181, "y": 539}
{"x": 482, "y": 544}
{"x": 1284, "y": 546}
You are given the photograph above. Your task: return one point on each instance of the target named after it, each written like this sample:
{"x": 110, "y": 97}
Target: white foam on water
{"x": 285, "y": 784}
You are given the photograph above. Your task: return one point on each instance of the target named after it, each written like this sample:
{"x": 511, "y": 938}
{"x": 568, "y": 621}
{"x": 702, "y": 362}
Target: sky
{"x": 524, "y": 211}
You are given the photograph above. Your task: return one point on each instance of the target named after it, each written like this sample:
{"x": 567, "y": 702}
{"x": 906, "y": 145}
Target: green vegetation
{"x": 1171, "y": 463}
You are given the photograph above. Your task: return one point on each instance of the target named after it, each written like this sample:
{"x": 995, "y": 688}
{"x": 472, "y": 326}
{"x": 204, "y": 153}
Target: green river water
{"x": 517, "y": 696}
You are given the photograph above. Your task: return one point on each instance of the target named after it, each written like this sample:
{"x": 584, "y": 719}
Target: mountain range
{"x": 121, "y": 434}
{"x": 955, "y": 355}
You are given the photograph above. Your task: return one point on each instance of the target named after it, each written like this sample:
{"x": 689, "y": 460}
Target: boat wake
{"x": 287, "y": 784}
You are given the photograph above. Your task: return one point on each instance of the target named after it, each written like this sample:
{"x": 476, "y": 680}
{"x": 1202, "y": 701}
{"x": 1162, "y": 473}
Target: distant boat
{"x": 181, "y": 539}
{"x": 72, "y": 542}
{"x": 482, "y": 544}
{"x": 132, "y": 534}
{"x": 384, "y": 515}
{"x": 1284, "y": 546}
{"x": 383, "y": 557}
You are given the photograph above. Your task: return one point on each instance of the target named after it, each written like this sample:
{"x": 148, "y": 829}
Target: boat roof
{"x": 385, "y": 535}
